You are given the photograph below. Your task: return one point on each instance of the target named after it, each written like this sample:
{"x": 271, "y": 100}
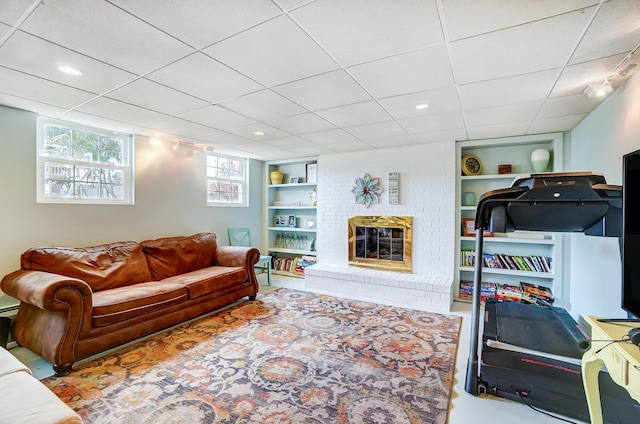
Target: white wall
{"x": 170, "y": 199}
{"x": 597, "y": 144}
{"x": 427, "y": 193}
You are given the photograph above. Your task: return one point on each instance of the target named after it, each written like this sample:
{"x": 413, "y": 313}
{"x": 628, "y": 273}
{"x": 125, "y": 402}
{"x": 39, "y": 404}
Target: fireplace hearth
{"x": 382, "y": 242}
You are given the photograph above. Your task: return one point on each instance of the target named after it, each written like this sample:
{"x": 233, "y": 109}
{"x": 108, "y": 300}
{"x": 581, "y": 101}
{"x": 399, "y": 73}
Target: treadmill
{"x": 532, "y": 353}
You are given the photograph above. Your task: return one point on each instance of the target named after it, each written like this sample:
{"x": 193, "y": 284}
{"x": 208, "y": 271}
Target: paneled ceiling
{"x": 274, "y": 79}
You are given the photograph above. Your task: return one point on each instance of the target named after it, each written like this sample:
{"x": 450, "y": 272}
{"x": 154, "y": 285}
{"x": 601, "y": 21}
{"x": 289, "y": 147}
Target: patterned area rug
{"x": 288, "y": 357}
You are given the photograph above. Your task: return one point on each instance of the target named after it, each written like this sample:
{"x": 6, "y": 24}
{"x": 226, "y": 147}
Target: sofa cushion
{"x": 102, "y": 267}
{"x": 209, "y": 280}
{"x": 10, "y": 364}
{"x": 171, "y": 256}
{"x": 115, "y": 305}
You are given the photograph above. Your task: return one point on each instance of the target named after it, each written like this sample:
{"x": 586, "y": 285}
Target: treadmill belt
{"x": 541, "y": 328}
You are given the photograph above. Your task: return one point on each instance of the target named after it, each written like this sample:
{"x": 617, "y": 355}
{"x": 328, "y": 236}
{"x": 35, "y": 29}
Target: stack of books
{"x": 535, "y": 263}
{"x": 524, "y": 293}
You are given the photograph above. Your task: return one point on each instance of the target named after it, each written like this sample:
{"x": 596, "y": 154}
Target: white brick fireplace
{"x": 426, "y": 193}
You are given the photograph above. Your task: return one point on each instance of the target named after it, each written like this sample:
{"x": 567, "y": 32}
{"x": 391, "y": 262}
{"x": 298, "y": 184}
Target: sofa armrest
{"x": 245, "y": 257}
{"x": 47, "y": 290}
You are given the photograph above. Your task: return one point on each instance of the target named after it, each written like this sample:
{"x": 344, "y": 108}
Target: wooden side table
{"x": 621, "y": 359}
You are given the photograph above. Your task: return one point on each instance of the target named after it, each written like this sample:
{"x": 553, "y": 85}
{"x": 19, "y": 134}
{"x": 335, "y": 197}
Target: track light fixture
{"x": 616, "y": 77}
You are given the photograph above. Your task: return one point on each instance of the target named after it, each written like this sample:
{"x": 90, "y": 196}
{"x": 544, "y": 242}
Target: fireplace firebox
{"x": 382, "y": 242}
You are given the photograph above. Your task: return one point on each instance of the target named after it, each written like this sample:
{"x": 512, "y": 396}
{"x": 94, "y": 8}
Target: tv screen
{"x": 631, "y": 233}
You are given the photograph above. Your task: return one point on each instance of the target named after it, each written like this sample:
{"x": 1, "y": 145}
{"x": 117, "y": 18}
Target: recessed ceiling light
{"x": 422, "y": 106}
{"x": 69, "y": 70}
{"x": 258, "y": 133}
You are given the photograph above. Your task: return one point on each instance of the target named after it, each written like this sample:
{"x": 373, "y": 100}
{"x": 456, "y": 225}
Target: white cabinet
{"x": 514, "y": 151}
{"x": 290, "y": 215}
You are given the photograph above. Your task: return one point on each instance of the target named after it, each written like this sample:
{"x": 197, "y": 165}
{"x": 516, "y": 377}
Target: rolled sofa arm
{"x": 245, "y": 257}
{"x": 48, "y": 291}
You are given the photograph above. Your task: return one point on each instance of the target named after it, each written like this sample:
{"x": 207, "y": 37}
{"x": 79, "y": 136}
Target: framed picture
{"x": 291, "y": 221}
{"x": 293, "y": 180}
{"x": 468, "y": 227}
{"x": 308, "y": 222}
{"x": 281, "y": 220}
{"x": 312, "y": 173}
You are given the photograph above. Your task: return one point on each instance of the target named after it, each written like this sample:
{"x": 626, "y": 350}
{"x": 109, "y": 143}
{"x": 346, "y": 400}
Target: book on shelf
{"x": 529, "y": 263}
{"x": 524, "y": 292}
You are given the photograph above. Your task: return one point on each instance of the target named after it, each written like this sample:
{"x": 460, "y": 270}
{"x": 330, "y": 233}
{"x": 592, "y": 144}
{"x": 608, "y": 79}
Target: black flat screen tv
{"x": 631, "y": 233}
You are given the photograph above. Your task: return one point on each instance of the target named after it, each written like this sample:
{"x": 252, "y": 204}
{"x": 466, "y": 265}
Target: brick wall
{"x": 426, "y": 192}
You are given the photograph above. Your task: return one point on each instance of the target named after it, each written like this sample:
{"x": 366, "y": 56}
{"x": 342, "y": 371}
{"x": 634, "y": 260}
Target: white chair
{"x": 241, "y": 236}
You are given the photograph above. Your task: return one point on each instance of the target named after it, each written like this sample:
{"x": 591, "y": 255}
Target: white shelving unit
{"x": 515, "y": 151}
{"x": 289, "y": 241}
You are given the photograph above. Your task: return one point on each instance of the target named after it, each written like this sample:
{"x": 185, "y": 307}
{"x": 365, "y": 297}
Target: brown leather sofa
{"x": 76, "y": 302}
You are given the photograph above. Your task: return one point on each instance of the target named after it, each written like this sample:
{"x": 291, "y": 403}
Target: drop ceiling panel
{"x": 502, "y": 114}
{"x": 12, "y": 10}
{"x": 263, "y": 104}
{"x": 495, "y": 131}
{"x": 249, "y": 131}
{"x": 439, "y": 101}
{"x": 358, "y": 31}
{"x": 209, "y": 21}
{"x": 216, "y": 116}
{"x": 4, "y": 29}
{"x": 337, "y": 136}
{"x": 421, "y": 70}
{"x": 377, "y": 130}
{"x": 40, "y": 90}
{"x": 615, "y": 30}
{"x": 185, "y": 129}
{"x": 154, "y": 96}
{"x": 555, "y": 124}
{"x": 205, "y": 78}
{"x": 391, "y": 141}
{"x": 356, "y": 114}
{"x": 119, "y": 111}
{"x": 538, "y": 46}
{"x": 467, "y": 18}
{"x": 300, "y": 124}
{"x": 567, "y": 105}
{"x": 102, "y": 31}
{"x": 273, "y": 53}
{"x": 351, "y": 146}
{"x": 32, "y": 55}
{"x": 439, "y": 136}
{"x": 332, "y": 89}
{"x": 433, "y": 122}
{"x": 505, "y": 91}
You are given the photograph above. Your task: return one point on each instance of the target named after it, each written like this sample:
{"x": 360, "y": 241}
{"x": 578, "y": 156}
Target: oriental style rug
{"x": 288, "y": 357}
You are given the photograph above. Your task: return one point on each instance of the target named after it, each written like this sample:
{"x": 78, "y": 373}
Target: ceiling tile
{"x": 433, "y": 122}
{"x": 466, "y": 18}
{"x": 40, "y": 90}
{"x": 358, "y": 31}
{"x": 262, "y": 105}
{"x": 300, "y": 124}
{"x": 273, "y": 53}
{"x": 439, "y": 136}
{"x": 336, "y": 136}
{"x": 119, "y": 111}
{"x": 30, "y": 105}
{"x": 502, "y": 114}
{"x": 499, "y": 130}
{"x": 555, "y": 124}
{"x": 4, "y": 29}
{"x": 249, "y": 130}
{"x": 576, "y": 78}
{"x": 89, "y": 29}
{"x": 181, "y": 128}
{"x": 377, "y": 130}
{"x": 356, "y": 114}
{"x": 209, "y": 21}
{"x": 12, "y": 10}
{"x": 538, "y": 46}
{"x": 41, "y": 58}
{"x": 568, "y": 105}
{"x": 351, "y": 146}
{"x": 205, "y": 78}
{"x": 216, "y": 116}
{"x": 421, "y": 70}
{"x": 290, "y": 4}
{"x": 616, "y": 29}
{"x": 391, "y": 141}
{"x": 439, "y": 101}
{"x": 154, "y": 96}
{"x": 505, "y": 91}
{"x": 332, "y": 89}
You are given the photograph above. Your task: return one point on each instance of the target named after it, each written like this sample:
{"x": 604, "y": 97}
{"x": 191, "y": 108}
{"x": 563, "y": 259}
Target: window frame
{"x": 126, "y": 166}
{"x": 244, "y": 181}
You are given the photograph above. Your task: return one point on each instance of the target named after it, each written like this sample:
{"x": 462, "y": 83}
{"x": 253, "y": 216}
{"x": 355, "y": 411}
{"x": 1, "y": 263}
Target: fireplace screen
{"x": 380, "y": 242}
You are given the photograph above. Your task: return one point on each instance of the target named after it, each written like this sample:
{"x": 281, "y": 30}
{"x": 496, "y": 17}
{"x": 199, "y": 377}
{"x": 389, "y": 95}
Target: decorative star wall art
{"x": 367, "y": 190}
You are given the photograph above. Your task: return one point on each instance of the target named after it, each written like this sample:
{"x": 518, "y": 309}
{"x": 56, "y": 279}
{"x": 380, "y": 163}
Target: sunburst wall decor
{"x": 367, "y": 190}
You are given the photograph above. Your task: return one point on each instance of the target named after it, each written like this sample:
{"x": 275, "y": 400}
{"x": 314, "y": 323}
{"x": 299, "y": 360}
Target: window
{"x": 80, "y": 164}
{"x": 226, "y": 180}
